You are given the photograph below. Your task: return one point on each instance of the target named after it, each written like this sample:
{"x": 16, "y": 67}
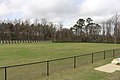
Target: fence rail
{"x": 31, "y": 71}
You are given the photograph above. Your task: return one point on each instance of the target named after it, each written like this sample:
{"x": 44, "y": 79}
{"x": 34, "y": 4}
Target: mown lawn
{"x": 85, "y": 72}
{"x": 11, "y": 54}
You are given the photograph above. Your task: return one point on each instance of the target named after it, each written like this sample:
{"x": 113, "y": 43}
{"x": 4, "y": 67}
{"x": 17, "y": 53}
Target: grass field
{"x": 11, "y": 54}
{"x": 85, "y": 72}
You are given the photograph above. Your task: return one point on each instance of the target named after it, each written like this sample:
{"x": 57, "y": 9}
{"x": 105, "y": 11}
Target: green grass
{"x": 11, "y": 54}
{"x": 85, "y": 72}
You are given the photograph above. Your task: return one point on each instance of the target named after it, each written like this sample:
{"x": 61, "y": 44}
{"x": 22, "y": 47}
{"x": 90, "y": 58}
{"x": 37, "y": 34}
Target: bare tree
{"x": 103, "y": 30}
{"x": 115, "y": 21}
{"x": 108, "y": 30}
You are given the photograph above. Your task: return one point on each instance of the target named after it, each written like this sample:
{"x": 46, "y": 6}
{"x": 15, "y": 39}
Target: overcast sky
{"x": 67, "y": 11}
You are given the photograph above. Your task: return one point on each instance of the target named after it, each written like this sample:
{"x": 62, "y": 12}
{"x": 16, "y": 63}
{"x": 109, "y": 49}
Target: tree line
{"x": 84, "y": 30}
{"x": 27, "y": 31}
{"x": 105, "y": 32}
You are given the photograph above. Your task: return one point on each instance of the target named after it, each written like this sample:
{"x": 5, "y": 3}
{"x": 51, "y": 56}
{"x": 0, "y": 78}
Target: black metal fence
{"x": 38, "y": 70}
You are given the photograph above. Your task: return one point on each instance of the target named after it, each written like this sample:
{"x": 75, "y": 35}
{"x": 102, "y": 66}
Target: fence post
{"x": 104, "y": 54}
{"x": 113, "y": 53}
{"x": 47, "y": 68}
{"x": 74, "y": 61}
{"x": 5, "y": 73}
{"x": 92, "y": 57}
